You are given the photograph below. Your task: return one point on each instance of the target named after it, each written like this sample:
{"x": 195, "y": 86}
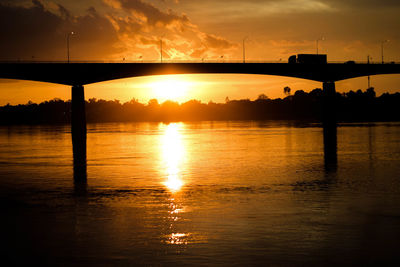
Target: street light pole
{"x": 68, "y": 35}
{"x": 161, "y": 49}
{"x": 384, "y": 41}
{"x": 244, "y": 49}
{"x": 369, "y": 78}
{"x": 319, "y": 39}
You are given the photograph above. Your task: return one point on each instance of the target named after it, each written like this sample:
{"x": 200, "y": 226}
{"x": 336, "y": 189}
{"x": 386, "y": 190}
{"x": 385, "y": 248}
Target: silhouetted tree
{"x": 286, "y": 90}
{"x": 350, "y": 106}
{"x": 153, "y": 102}
{"x": 262, "y": 97}
{"x": 371, "y": 92}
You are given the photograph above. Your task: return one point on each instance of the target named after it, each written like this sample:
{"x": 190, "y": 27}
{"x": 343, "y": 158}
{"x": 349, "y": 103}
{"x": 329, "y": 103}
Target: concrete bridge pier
{"x": 329, "y": 126}
{"x": 329, "y": 105}
{"x": 78, "y": 131}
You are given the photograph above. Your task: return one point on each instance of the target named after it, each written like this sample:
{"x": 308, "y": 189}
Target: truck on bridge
{"x": 308, "y": 59}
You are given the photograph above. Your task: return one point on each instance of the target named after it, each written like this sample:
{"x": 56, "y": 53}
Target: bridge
{"x": 87, "y": 73}
{"x": 79, "y": 74}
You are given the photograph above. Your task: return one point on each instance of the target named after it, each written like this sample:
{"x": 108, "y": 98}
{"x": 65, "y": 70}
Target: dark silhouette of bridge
{"x": 86, "y": 73}
{"x": 79, "y": 74}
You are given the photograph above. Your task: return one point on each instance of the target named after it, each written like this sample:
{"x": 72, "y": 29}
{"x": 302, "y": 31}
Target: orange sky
{"x": 195, "y": 30}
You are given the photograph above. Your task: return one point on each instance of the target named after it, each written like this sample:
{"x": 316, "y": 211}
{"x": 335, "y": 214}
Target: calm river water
{"x": 209, "y": 193}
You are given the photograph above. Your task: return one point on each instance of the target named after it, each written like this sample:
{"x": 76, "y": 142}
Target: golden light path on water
{"x": 173, "y": 153}
{"x": 173, "y": 158}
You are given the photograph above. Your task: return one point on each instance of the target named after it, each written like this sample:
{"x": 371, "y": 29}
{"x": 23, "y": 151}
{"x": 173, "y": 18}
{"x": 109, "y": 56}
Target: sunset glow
{"x": 170, "y": 88}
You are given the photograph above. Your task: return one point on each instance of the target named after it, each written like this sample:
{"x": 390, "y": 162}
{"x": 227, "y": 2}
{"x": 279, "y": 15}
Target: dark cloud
{"x": 242, "y": 9}
{"x": 95, "y": 31}
{"x": 65, "y": 14}
{"x": 152, "y": 13}
{"x": 25, "y": 32}
{"x": 34, "y": 32}
{"x": 126, "y": 25}
{"x": 216, "y": 42}
{"x": 359, "y": 3}
{"x": 364, "y": 3}
{"x": 37, "y": 4}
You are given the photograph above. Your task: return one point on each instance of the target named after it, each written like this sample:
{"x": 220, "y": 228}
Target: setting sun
{"x": 170, "y": 88}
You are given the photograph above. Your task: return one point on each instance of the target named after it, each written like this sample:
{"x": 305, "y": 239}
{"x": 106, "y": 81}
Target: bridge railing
{"x": 144, "y": 61}
{"x": 181, "y": 61}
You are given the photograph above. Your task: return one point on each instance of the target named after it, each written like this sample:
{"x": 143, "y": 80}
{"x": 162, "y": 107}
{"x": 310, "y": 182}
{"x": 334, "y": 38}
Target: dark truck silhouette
{"x": 308, "y": 59}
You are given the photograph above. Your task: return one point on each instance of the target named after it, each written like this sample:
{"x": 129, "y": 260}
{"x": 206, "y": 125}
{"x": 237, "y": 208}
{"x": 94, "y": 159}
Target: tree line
{"x": 350, "y": 107}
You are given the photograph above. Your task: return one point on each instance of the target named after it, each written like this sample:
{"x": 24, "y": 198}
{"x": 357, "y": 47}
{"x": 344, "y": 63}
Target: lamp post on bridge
{"x": 384, "y": 41}
{"x": 161, "y": 49}
{"x": 68, "y": 36}
{"x": 369, "y": 78}
{"x": 317, "y": 41}
{"x": 244, "y": 49}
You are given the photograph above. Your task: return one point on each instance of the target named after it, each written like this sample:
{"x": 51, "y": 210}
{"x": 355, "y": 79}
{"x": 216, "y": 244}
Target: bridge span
{"x": 87, "y": 73}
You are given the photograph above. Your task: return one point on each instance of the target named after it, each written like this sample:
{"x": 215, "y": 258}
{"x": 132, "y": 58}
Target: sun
{"x": 170, "y": 88}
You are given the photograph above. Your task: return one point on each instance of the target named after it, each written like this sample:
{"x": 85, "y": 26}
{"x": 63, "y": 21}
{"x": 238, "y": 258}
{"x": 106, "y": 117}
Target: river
{"x": 206, "y": 193}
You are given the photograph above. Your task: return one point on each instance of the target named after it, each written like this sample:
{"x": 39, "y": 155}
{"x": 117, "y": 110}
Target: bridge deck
{"x": 86, "y": 73}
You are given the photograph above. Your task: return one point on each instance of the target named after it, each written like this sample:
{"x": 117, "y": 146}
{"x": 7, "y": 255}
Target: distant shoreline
{"x": 351, "y": 106}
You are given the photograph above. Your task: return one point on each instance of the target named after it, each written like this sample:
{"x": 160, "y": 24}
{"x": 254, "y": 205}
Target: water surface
{"x": 209, "y": 193}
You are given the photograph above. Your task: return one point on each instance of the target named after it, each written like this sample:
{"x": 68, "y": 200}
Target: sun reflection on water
{"x": 173, "y": 153}
{"x": 175, "y": 236}
{"x": 178, "y": 239}
{"x": 174, "y": 157}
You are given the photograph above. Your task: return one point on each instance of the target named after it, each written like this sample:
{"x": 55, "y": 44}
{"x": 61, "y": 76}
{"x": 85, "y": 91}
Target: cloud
{"x": 152, "y": 14}
{"x": 216, "y": 42}
{"x": 65, "y": 14}
{"x": 362, "y": 4}
{"x": 35, "y": 32}
{"x": 235, "y": 11}
{"x": 181, "y": 38}
{"x": 124, "y": 29}
{"x": 27, "y": 29}
{"x": 113, "y": 3}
